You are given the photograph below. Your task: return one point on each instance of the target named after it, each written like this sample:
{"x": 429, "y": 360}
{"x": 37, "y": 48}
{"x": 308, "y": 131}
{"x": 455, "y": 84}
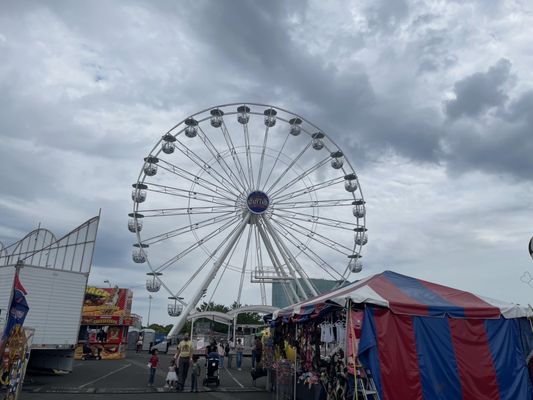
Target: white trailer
{"x": 54, "y": 274}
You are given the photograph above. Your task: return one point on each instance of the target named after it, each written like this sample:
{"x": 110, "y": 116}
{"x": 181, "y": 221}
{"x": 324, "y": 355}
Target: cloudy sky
{"x": 430, "y": 100}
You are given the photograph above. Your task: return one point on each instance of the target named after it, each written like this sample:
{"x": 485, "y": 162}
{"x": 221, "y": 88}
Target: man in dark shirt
{"x": 258, "y": 349}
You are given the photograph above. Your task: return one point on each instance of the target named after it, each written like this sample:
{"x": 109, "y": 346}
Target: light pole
{"x": 149, "y": 308}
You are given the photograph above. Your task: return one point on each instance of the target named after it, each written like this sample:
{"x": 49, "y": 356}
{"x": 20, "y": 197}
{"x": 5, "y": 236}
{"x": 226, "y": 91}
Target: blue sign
{"x": 257, "y": 202}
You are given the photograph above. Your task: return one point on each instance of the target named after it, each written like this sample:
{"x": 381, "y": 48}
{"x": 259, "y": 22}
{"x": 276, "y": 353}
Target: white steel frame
{"x": 219, "y": 192}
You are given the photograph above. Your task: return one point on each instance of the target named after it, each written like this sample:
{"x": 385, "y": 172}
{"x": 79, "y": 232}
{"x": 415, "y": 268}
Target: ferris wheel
{"x": 239, "y": 197}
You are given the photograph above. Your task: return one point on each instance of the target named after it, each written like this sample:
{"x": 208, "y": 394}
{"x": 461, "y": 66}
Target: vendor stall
{"x": 105, "y": 320}
{"x": 418, "y": 340}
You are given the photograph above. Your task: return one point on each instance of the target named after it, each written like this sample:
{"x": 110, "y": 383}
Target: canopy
{"x": 216, "y": 316}
{"x": 424, "y": 341}
{"x": 410, "y": 296}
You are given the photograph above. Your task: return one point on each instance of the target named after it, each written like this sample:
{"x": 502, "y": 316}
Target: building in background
{"x": 105, "y": 320}
{"x": 279, "y": 299}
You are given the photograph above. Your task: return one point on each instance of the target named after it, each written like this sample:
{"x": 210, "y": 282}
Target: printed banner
{"x": 15, "y": 360}
{"x": 107, "y": 302}
{"x": 100, "y": 351}
{"x": 17, "y": 311}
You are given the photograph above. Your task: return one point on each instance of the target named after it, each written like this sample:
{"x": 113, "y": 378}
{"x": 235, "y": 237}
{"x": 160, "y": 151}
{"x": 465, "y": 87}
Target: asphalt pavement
{"x": 128, "y": 379}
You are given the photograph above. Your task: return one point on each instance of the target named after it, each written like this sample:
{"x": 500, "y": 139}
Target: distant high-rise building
{"x": 279, "y": 299}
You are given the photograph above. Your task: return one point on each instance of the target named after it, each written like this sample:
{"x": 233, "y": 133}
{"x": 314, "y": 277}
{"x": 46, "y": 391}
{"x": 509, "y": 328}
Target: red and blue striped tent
{"x": 426, "y": 341}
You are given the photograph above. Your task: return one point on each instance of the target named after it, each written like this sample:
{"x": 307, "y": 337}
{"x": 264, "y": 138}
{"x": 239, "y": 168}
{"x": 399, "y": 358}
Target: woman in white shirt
{"x": 220, "y": 349}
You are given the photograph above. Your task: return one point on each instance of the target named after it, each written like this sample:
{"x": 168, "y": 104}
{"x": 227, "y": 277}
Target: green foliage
{"x": 247, "y": 318}
{"x": 211, "y": 306}
{"x": 160, "y": 328}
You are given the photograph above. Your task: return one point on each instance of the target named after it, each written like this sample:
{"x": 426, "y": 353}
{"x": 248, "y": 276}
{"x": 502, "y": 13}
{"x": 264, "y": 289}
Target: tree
{"x": 250, "y": 318}
{"x": 159, "y": 328}
{"x": 211, "y": 306}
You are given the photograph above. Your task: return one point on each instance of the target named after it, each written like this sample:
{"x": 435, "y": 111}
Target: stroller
{"x": 211, "y": 375}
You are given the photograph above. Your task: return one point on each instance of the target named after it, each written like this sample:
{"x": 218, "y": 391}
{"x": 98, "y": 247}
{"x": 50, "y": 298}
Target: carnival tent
{"x": 422, "y": 340}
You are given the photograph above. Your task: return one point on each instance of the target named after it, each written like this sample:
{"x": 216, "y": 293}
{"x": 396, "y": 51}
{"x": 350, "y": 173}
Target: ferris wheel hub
{"x": 257, "y": 202}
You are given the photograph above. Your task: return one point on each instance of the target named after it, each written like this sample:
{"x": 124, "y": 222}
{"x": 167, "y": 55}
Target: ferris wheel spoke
{"x": 247, "y": 148}
{"x": 316, "y": 236}
{"x": 220, "y": 160}
{"x": 189, "y": 194}
{"x": 185, "y": 229}
{"x": 278, "y": 267}
{"x": 305, "y": 250}
{"x": 276, "y": 161}
{"x": 191, "y": 155}
{"x": 289, "y": 167}
{"x": 300, "y": 177}
{"x": 265, "y": 139}
{"x": 289, "y": 258}
{"x": 330, "y": 222}
{"x": 314, "y": 204}
{"x": 166, "y": 212}
{"x": 187, "y": 175}
{"x": 196, "y": 245}
{"x": 308, "y": 189}
{"x": 246, "y": 183}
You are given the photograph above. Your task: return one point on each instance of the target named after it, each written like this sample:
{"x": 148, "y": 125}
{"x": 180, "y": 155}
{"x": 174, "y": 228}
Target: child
{"x": 195, "y": 373}
{"x": 220, "y": 350}
{"x": 154, "y": 361}
{"x": 172, "y": 377}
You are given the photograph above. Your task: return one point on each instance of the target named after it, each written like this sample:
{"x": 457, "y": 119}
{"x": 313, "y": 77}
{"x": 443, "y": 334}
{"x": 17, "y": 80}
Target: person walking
{"x": 139, "y": 345}
{"x": 230, "y": 351}
{"x": 172, "y": 377}
{"x": 195, "y": 374}
{"x": 239, "y": 348}
{"x": 253, "y": 354}
{"x": 154, "y": 361}
{"x": 258, "y": 349}
{"x": 220, "y": 355}
{"x": 183, "y": 359}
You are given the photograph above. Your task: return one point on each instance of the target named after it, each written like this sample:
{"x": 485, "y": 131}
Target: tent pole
{"x": 352, "y": 334}
{"x": 295, "y": 361}
{"x": 347, "y": 314}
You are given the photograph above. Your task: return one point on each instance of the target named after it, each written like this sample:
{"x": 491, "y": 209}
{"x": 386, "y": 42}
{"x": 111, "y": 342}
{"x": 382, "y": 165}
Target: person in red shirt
{"x": 154, "y": 361}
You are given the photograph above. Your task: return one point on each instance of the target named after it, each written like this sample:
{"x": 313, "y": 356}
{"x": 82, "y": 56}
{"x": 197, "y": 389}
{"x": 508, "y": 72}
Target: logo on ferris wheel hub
{"x": 257, "y": 202}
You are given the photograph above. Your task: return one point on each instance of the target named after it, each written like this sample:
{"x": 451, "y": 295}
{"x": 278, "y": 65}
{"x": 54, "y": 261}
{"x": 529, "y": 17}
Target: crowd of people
{"x": 226, "y": 352}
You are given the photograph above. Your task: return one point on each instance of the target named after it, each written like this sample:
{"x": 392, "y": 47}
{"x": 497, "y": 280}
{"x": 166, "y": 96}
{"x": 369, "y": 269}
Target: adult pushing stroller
{"x": 211, "y": 375}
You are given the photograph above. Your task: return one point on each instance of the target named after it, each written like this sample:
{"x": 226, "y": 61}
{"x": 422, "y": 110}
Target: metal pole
{"x": 149, "y": 309}
{"x": 234, "y": 330}
{"x": 295, "y": 360}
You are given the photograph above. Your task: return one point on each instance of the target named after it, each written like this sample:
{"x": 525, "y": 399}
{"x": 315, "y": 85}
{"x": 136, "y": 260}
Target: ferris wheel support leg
{"x": 210, "y": 276}
{"x": 286, "y": 253}
{"x": 277, "y": 266}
